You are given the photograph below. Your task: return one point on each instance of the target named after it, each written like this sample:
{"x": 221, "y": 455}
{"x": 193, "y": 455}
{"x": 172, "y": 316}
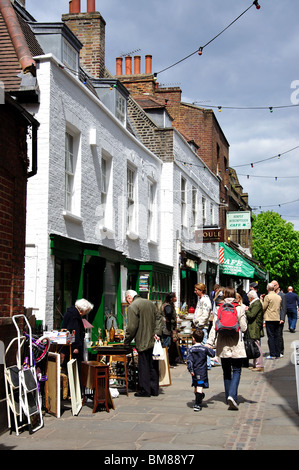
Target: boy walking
{"x": 197, "y": 366}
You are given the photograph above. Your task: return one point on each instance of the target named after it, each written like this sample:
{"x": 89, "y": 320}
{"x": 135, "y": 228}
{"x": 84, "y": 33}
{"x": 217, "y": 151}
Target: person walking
{"x": 292, "y": 301}
{"x": 255, "y": 315}
{"x": 144, "y": 323}
{"x": 197, "y": 366}
{"x": 231, "y": 350}
{"x": 201, "y": 317}
{"x": 271, "y": 306}
{"x": 283, "y": 312}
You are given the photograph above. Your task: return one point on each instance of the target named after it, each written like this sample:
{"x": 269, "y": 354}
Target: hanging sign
{"x": 238, "y": 220}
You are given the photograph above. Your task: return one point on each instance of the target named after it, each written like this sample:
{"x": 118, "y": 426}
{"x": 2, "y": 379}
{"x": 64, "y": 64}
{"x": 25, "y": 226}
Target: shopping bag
{"x": 252, "y": 351}
{"x": 158, "y": 353}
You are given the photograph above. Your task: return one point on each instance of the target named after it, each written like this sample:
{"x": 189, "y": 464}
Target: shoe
{"x": 232, "y": 404}
{"x": 292, "y": 330}
{"x": 197, "y": 408}
{"x": 257, "y": 369}
{"x": 141, "y": 394}
{"x": 270, "y": 357}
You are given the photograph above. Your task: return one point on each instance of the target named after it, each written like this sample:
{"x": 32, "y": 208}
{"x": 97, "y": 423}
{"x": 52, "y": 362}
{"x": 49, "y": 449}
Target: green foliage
{"x": 276, "y": 246}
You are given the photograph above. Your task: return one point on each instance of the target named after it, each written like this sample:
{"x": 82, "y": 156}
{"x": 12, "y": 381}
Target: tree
{"x": 275, "y": 244}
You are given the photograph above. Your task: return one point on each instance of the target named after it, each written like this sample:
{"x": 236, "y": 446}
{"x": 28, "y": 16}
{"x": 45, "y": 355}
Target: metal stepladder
{"x": 21, "y": 385}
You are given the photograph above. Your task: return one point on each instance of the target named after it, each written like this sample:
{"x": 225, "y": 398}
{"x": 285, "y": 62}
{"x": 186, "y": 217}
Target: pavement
{"x": 166, "y": 425}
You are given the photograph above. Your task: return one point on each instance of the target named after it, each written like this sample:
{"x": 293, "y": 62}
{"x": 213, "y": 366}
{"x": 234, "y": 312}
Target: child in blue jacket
{"x": 197, "y": 366}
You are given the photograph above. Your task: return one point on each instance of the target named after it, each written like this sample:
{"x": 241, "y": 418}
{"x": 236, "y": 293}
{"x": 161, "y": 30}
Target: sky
{"x": 249, "y": 68}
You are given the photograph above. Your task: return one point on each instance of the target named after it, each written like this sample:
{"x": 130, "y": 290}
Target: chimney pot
{"x": 91, "y": 6}
{"x": 119, "y": 65}
{"x": 148, "y": 64}
{"x": 76, "y": 6}
{"x": 137, "y": 60}
{"x": 128, "y": 61}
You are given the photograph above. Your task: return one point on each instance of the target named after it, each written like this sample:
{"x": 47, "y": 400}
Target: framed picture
{"x": 74, "y": 383}
{"x": 52, "y": 385}
{"x": 124, "y": 308}
{"x": 164, "y": 370}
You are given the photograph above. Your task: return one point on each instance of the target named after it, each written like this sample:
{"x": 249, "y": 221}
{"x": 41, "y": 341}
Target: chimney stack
{"x": 137, "y": 60}
{"x": 148, "y": 64}
{"x": 89, "y": 28}
{"x": 128, "y": 65}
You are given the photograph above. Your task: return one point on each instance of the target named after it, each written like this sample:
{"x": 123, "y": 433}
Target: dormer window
{"x": 70, "y": 56}
{"x": 114, "y": 95}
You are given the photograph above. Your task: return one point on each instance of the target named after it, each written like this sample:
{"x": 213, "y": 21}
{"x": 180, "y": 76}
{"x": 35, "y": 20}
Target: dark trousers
{"x": 148, "y": 372}
{"x": 272, "y": 328}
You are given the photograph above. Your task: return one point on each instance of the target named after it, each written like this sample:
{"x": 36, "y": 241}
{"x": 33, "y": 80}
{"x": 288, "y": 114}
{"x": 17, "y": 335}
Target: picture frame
{"x": 124, "y": 308}
{"x": 74, "y": 384}
{"x": 52, "y": 385}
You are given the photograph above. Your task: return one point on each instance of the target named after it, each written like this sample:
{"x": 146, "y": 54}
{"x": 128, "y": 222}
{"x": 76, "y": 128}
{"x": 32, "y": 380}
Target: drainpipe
{"x": 19, "y": 42}
{"x": 34, "y": 151}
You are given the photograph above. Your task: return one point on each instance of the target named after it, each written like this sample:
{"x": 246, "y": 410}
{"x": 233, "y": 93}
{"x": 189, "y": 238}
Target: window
{"x": 72, "y": 173}
{"x": 151, "y": 234}
{"x": 131, "y": 203}
{"x": 69, "y": 171}
{"x": 183, "y": 203}
{"x": 211, "y": 214}
{"x": 120, "y": 106}
{"x": 194, "y": 207}
{"x": 70, "y": 56}
{"x": 106, "y": 192}
{"x": 204, "y": 214}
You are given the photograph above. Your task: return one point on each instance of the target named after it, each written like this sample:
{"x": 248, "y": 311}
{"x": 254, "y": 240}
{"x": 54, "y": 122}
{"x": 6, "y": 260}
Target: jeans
{"x": 231, "y": 375}
{"x": 292, "y": 317}
{"x": 272, "y": 328}
{"x": 166, "y": 341}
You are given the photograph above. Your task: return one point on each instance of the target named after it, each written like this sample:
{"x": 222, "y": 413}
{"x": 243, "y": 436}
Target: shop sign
{"x": 209, "y": 235}
{"x": 238, "y": 220}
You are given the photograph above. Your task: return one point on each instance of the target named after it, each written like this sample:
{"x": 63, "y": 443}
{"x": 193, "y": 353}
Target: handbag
{"x": 251, "y": 348}
{"x": 158, "y": 353}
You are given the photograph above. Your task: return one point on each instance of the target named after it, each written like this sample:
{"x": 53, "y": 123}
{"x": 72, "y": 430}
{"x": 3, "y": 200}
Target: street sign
{"x": 238, "y": 220}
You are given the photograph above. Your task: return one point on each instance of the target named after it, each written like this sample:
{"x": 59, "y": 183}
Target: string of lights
{"x": 255, "y": 208}
{"x": 270, "y": 108}
{"x": 266, "y": 159}
{"x": 200, "y": 49}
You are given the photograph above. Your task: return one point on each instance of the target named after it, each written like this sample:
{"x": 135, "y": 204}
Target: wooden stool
{"x": 95, "y": 376}
{"x": 117, "y": 358}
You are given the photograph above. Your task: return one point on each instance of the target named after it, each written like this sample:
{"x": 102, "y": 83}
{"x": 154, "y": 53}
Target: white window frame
{"x": 204, "y": 210}
{"x": 106, "y": 191}
{"x": 121, "y": 108}
{"x": 183, "y": 202}
{"x": 152, "y": 211}
{"x": 131, "y": 206}
{"x": 194, "y": 207}
{"x": 72, "y": 170}
{"x": 70, "y": 56}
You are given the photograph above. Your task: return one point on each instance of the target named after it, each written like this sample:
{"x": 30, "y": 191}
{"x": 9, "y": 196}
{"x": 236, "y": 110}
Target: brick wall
{"x": 13, "y": 183}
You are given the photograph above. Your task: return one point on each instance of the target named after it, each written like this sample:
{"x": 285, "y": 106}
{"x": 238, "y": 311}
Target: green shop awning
{"x": 232, "y": 263}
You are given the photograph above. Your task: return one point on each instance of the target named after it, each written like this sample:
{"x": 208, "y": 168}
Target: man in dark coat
{"x": 145, "y": 325}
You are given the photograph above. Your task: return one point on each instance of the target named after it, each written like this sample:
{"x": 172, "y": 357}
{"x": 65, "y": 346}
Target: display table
{"x": 95, "y": 376}
{"x": 118, "y": 353}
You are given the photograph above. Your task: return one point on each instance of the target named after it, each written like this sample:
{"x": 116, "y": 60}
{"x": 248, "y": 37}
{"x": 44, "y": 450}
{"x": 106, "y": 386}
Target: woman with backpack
{"x": 229, "y": 324}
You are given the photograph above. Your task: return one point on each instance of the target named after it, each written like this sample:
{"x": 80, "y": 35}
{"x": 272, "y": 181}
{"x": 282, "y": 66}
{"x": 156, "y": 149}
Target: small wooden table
{"x": 119, "y": 353}
{"x": 95, "y": 376}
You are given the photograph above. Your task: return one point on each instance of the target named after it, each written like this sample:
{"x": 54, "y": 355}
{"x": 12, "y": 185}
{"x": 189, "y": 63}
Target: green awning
{"x": 233, "y": 264}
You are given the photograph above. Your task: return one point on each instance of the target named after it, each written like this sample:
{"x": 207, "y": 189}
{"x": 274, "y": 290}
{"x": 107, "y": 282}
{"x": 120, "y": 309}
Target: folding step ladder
{"x": 21, "y": 385}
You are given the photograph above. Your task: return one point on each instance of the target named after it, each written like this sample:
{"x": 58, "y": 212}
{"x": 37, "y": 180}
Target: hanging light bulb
{"x": 200, "y": 51}
{"x": 278, "y": 156}
{"x": 219, "y": 108}
{"x": 256, "y": 3}
{"x": 271, "y": 109}
{"x": 251, "y": 165}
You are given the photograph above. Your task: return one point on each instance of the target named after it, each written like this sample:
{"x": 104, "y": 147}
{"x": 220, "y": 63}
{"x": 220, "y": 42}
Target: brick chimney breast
{"x": 89, "y": 28}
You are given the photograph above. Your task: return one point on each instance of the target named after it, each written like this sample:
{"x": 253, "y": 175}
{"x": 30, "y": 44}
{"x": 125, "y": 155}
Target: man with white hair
{"x": 144, "y": 323}
{"x": 271, "y": 306}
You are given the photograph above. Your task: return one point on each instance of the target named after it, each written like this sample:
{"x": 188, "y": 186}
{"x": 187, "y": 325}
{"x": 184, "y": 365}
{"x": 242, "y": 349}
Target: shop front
{"x": 102, "y": 275}
{"x": 235, "y": 267}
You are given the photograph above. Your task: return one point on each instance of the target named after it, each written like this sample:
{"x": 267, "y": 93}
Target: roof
{"x": 10, "y": 67}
